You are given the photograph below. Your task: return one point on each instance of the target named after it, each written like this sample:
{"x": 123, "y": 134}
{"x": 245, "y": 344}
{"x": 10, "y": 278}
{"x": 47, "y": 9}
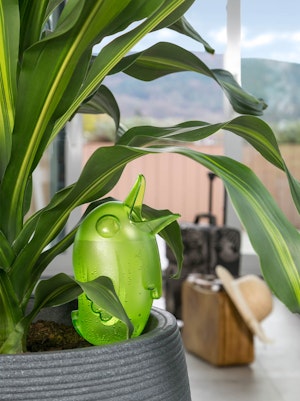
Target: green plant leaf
{"x": 166, "y": 58}
{"x": 294, "y": 188}
{"x": 9, "y": 42}
{"x": 75, "y": 34}
{"x": 14, "y": 341}
{"x": 171, "y": 234}
{"x": 52, "y": 5}
{"x": 80, "y": 26}
{"x": 31, "y": 121}
{"x": 114, "y": 51}
{"x": 184, "y": 27}
{"x": 101, "y": 291}
{"x": 7, "y": 254}
{"x": 61, "y": 289}
{"x": 102, "y": 101}
{"x": 10, "y": 314}
{"x": 30, "y": 225}
{"x": 55, "y": 291}
{"x": 175, "y": 15}
{"x": 273, "y": 237}
{"x": 254, "y": 130}
{"x": 32, "y": 14}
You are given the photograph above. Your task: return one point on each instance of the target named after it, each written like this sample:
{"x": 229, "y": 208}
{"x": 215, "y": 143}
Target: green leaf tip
{"x": 135, "y": 202}
{"x": 135, "y": 198}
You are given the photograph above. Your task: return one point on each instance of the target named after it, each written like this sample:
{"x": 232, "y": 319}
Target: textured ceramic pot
{"x": 150, "y": 367}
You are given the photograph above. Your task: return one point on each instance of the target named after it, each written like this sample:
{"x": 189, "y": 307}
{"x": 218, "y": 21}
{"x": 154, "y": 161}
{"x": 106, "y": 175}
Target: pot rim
{"x": 160, "y": 324}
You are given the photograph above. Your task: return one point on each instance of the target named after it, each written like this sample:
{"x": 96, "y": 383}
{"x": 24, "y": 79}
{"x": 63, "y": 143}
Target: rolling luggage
{"x": 223, "y": 246}
{"x": 205, "y": 247}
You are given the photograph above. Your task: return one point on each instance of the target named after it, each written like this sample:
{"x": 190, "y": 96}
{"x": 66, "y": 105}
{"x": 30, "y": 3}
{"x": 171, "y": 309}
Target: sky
{"x": 270, "y": 28}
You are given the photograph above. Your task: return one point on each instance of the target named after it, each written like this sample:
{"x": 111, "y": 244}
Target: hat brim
{"x": 233, "y": 291}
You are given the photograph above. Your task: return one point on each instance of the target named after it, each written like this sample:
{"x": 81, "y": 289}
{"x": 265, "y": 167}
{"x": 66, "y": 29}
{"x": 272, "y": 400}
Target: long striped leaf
{"x": 102, "y": 102}
{"x": 78, "y": 28}
{"x": 61, "y": 289}
{"x": 112, "y": 53}
{"x": 254, "y": 130}
{"x": 9, "y": 17}
{"x": 184, "y": 27}
{"x": 166, "y": 58}
{"x": 273, "y": 237}
{"x": 32, "y": 14}
{"x": 7, "y": 254}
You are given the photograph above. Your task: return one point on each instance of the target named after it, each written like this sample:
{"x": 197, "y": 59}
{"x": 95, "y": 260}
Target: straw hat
{"x": 252, "y": 298}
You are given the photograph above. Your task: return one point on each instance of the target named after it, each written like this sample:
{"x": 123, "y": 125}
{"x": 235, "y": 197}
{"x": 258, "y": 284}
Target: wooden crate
{"x": 213, "y": 328}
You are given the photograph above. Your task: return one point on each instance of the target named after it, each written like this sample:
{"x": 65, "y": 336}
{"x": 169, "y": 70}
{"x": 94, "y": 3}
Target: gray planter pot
{"x": 149, "y": 367}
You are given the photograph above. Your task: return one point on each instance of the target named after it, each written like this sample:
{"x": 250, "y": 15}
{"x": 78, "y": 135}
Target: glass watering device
{"x": 114, "y": 240}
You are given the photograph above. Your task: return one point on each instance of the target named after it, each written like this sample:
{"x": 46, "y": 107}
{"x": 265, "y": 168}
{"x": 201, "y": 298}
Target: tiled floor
{"x": 273, "y": 376}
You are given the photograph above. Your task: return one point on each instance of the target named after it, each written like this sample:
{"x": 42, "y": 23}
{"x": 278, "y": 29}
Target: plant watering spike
{"x": 117, "y": 242}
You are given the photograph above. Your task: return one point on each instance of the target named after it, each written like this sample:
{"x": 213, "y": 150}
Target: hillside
{"x": 278, "y": 83}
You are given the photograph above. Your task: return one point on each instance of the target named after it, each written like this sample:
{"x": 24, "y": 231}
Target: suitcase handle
{"x": 211, "y": 218}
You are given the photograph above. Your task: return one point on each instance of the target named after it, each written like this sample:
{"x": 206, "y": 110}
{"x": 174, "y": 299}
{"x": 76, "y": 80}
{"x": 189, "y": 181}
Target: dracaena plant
{"x": 49, "y": 73}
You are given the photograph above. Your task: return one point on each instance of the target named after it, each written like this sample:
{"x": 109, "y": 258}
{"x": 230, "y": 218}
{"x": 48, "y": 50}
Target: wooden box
{"x": 213, "y": 328}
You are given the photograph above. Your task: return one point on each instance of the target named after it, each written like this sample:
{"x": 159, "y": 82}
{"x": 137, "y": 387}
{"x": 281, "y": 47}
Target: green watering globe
{"x": 114, "y": 240}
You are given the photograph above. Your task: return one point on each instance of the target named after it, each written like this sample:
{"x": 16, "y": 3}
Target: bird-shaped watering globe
{"x": 115, "y": 241}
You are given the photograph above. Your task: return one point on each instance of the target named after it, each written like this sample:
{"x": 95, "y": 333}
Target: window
{"x": 267, "y": 32}
{"x": 270, "y": 55}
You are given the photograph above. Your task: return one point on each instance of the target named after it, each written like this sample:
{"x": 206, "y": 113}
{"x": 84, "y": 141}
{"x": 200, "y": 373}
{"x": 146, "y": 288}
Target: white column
{"x": 232, "y": 59}
{"x": 232, "y": 62}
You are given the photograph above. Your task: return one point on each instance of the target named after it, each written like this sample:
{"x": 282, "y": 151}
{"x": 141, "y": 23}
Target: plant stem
{"x": 10, "y": 316}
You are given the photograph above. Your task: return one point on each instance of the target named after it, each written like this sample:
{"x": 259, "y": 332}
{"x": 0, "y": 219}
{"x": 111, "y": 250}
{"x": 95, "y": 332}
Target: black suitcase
{"x": 205, "y": 247}
{"x": 223, "y": 247}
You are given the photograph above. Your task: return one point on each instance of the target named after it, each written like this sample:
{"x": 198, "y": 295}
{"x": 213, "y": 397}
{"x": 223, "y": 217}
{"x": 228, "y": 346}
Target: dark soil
{"x": 50, "y": 336}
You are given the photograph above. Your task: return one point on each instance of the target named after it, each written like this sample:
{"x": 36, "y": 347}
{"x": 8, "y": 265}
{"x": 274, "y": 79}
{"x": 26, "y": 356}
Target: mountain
{"x": 278, "y": 83}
